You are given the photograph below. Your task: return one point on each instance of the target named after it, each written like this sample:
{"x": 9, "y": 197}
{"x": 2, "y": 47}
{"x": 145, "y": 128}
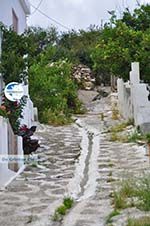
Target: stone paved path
{"x": 77, "y": 161}
{"x": 115, "y": 162}
{"x": 33, "y": 196}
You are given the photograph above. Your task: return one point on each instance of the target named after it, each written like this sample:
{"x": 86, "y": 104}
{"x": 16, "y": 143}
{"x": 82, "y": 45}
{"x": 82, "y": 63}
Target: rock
{"x": 101, "y": 94}
{"x": 84, "y": 77}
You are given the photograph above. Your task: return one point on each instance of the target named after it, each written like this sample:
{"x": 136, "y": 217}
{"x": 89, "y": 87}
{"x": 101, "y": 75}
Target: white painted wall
{"x": 22, "y": 9}
{"x": 141, "y": 104}
{"x": 6, "y": 7}
{"x": 133, "y": 99}
{"x": 124, "y": 99}
{"x": 5, "y": 173}
{"x": 28, "y": 111}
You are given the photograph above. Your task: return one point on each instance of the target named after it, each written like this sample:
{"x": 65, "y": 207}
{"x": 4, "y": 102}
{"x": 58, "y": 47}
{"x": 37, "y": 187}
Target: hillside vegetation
{"x": 50, "y": 56}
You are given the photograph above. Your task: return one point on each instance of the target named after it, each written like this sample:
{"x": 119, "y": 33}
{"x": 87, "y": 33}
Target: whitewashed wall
{"x": 124, "y": 96}
{"x": 5, "y": 173}
{"x": 28, "y": 111}
{"x": 6, "y": 7}
{"x": 22, "y": 9}
{"x": 133, "y": 99}
{"x": 141, "y": 106}
{"x": 28, "y": 114}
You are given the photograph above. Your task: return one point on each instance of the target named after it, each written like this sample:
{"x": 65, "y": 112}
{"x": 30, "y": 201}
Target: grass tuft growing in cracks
{"x": 63, "y": 209}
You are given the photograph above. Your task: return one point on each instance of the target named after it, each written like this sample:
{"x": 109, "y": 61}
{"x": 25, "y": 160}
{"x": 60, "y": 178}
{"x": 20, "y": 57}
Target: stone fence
{"x": 133, "y": 100}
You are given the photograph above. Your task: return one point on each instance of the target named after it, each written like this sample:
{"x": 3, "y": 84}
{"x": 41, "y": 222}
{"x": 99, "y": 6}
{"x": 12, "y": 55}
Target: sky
{"x": 76, "y": 14}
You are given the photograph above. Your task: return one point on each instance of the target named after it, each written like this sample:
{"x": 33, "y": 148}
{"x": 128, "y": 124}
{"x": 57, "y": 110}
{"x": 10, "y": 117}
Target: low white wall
{"x": 5, "y": 173}
{"x": 20, "y": 151}
{"x": 141, "y": 104}
{"x": 124, "y": 99}
{"x": 3, "y": 140}
{"x": 133, "y": 99}
{"x": 28, "y": 111}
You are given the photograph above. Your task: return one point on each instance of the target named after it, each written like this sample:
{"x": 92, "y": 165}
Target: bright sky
{"x": 76, "y": 14}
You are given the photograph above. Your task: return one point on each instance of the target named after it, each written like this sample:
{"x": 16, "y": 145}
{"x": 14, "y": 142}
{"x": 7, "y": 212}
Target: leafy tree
{"x": 38, "y": 40}
{"x": 53, "y": 90}
{"x": 79, "y": 44}
{"x": 123, "y": 43}
{"x": 139, "y": 19}
{"x": 14, "y": 48}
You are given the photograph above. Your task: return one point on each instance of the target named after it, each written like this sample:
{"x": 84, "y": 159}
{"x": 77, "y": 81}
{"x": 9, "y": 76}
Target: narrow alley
{"x": 74, "y": 161}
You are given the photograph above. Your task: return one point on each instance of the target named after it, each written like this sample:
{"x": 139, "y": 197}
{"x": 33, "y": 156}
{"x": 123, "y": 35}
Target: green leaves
{"x": 127, "y": 41}
{"x": 14, "y": 47}
{"x": 13, "y": 111}
{"x": 53, "y": 91}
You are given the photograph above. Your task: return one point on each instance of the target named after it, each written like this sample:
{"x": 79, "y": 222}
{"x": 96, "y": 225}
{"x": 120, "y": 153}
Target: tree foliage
{"x": 53, "y": 91}
{"x": 79, "y": 44}
{"x": 139, "y": 19}
{"x": 125, "y": 42}
{"x": 38, "y": 40}
{"x": 108, "y": 50}
{"x": 13, "y": 63}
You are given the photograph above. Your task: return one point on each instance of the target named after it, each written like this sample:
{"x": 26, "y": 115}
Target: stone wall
{"x": 84, "y": 77}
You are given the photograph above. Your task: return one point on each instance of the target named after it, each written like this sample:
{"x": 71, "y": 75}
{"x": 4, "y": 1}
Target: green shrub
{"x": 54, "y": 92}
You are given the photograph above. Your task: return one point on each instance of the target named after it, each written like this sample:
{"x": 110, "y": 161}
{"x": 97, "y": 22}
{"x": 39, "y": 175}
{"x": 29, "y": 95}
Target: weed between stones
{"x": 132, "y": 194}
{"x": 144, "y": 221}
{"x": 112, "y": 214}
{"x": 63, "y": 209}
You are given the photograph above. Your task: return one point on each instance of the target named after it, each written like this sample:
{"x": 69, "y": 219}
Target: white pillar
{"x": 135, "y": 73}
{"x": 1, "y": 80}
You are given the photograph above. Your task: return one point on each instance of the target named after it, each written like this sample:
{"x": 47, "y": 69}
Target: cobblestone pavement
{"x": 77, "y": 161}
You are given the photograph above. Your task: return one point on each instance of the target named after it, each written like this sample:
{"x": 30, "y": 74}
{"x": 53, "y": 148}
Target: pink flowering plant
{"x": 3, "y": 111}
{"x": 13, "y": 111}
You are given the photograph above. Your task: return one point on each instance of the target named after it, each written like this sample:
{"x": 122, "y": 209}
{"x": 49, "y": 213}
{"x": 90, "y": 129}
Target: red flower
{"x": 23, "y": 128}
{"x": 3, "y": 108}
